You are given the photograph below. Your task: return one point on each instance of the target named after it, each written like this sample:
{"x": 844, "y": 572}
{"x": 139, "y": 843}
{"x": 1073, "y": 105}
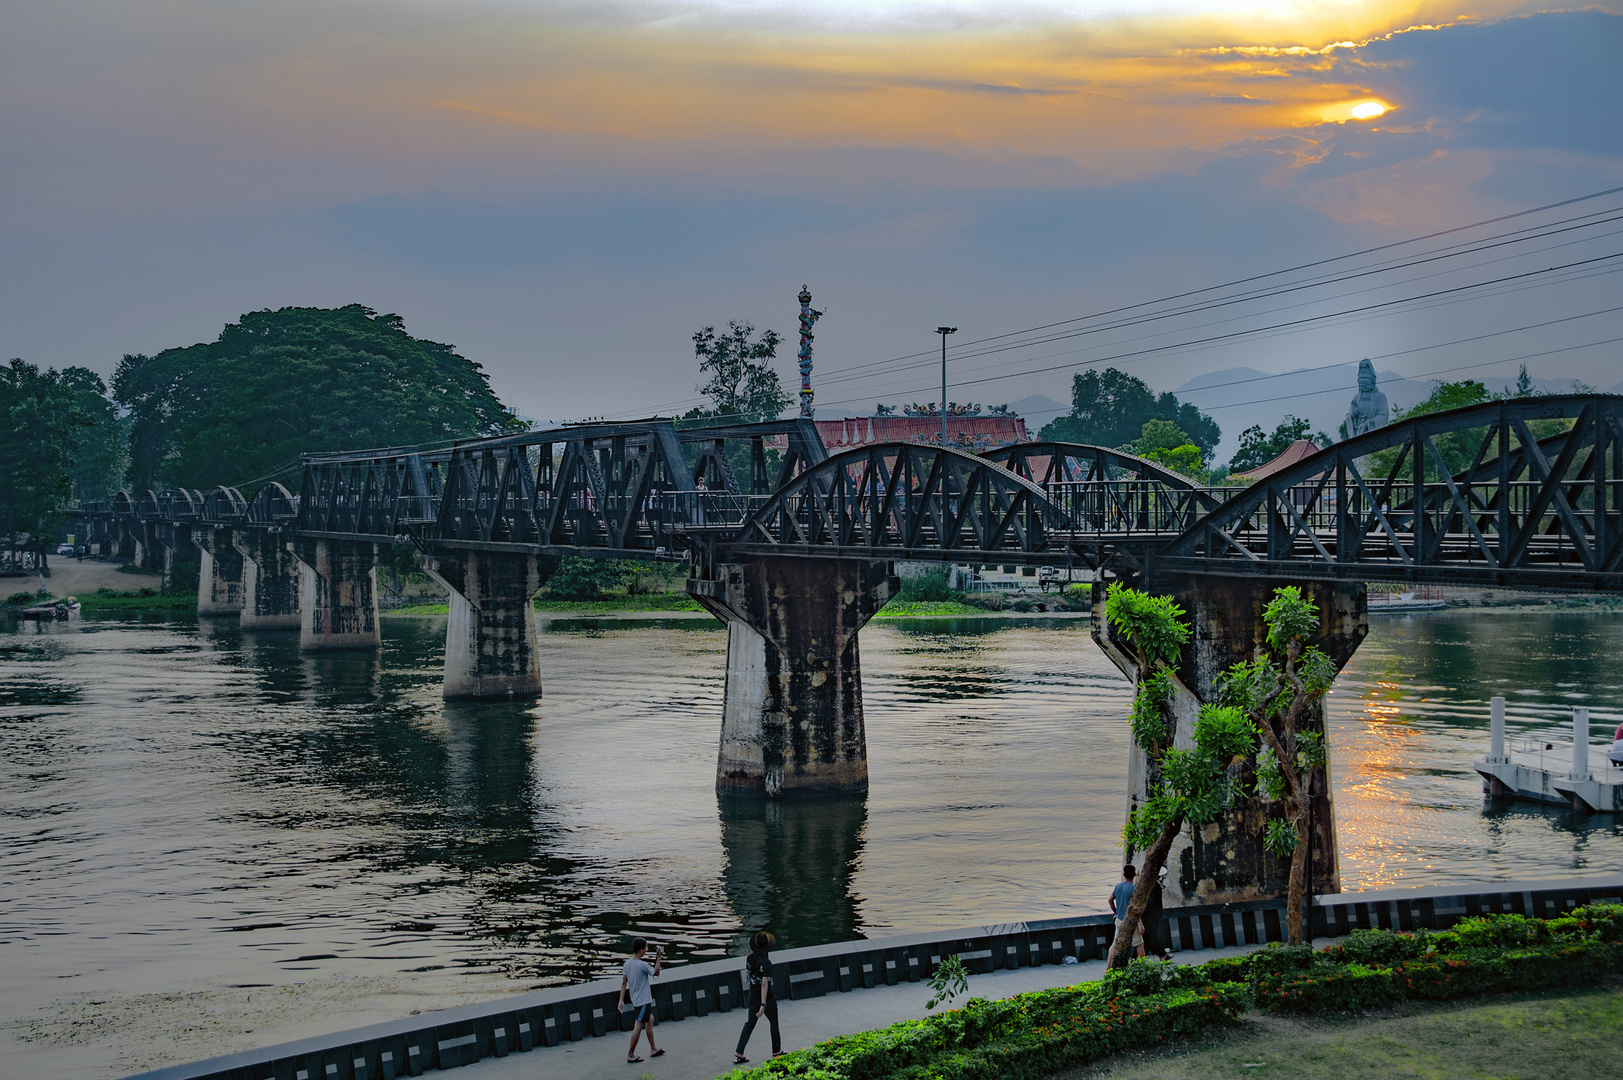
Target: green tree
{"x": 1278, "y": 693}
{"x": 1259, "y": 448}
{"x": 1183, "y": 786}
{"x": 99, "y": 462}
{"x": 1110, "y": 408}
{"x": 585, "y": 579}
{"x": 44, "y": 427}
{"x": 280, "y": 383}
{"x": 743, "y": 387}
{"x": 1457, "y": 448}
{"x": 1169, "y": 446}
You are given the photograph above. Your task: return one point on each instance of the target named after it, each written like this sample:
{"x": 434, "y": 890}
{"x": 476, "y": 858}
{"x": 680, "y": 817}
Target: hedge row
{"x": 1148, "y": 1002}
{"x": 1018, "y": 1038}
{"x": 1488, "y": 955}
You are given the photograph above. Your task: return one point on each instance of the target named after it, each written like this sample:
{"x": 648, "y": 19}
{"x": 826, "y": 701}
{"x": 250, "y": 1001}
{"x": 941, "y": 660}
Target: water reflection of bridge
{"x": 794, "y": 550}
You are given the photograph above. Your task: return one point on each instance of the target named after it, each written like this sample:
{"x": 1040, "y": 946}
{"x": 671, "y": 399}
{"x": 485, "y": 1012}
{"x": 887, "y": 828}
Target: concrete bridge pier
{"x": 270, "y": 579}
{"x": 492, "y": 646}
{"x": 145, "y": 550}
{"x": 219, "y": 572}
{"x": 1226, "y": 861}
{"x": 175, "y": 544}
{"x": 338, "y": 594}
{"x": 792, "y": 715}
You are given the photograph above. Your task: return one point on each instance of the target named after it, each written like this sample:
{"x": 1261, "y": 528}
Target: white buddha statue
{"x": 1369, "y": 409}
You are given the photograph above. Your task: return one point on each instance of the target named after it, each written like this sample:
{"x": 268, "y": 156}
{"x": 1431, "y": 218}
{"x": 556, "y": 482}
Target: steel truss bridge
{"x": 1522, "y": 493}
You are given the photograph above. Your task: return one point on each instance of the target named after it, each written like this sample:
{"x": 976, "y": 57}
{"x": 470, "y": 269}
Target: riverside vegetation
{"x": 1149, "y": 1002}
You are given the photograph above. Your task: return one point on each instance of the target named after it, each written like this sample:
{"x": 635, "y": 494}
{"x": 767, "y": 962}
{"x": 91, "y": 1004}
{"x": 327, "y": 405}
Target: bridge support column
{"x": 338, "y": 595}
{"x": 270, "y": 580}
{"x": 147, "y": 552}
{"x": 792, "y": 714}
{"x": 1225, "y": 861}
{"x": 492, "y": 647}
{"x": 219, "y": 573}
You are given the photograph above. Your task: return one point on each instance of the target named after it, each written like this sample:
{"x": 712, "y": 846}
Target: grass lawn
{"x": 1577, "y": 1036}
{"x": 133, "y": 601}
{"x": 908, "y": 609}
{"x": 611, "y": 605}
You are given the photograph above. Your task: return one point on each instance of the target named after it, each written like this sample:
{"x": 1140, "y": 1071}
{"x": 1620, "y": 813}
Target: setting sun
{"x": 1367, "y": 110}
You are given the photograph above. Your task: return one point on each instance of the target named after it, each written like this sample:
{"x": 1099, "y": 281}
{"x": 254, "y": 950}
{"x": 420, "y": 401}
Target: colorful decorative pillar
{"x": 807, "y": 317}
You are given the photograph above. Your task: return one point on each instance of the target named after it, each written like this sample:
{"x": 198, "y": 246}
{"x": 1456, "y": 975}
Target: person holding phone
{"x": 762, "y": 1002}
{"x": 638, "y": 995}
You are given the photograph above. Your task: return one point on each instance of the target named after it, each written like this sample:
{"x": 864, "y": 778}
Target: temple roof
{"x": 1293, "y": 453}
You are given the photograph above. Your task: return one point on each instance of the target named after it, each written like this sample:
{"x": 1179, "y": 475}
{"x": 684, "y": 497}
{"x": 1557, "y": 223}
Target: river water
{"x": 209, "y": 841}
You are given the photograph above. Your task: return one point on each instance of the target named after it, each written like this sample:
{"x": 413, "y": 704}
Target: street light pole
{"x": 944, "y": 331}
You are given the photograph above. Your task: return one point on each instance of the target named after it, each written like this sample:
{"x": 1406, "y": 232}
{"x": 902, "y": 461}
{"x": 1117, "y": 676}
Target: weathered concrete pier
{"x": 492, "y": 647}
{"x": 338, "y": 594}
{"x": 792, "y": 717}
{"x": 271, "y": 579}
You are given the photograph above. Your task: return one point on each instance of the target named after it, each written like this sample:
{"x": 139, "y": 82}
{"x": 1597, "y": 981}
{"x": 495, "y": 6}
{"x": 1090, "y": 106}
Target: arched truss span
{"x": 224, "y": 506}
{"x": 1526, "y": 492}
{"x": 1104, "y": 490}
{"x": 272, "y": 504}
{"x": 907, "y": 501}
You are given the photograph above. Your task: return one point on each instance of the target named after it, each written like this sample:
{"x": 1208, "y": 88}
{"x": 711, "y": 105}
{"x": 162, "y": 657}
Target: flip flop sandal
{"x": 740, "y": 1059}
{"x": 657, "y": 1053}
{"x": 632, "y": 1061}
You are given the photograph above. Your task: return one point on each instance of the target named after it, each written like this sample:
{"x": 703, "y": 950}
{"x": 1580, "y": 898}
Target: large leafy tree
{"x": 1111, "y": 407}
{"x": 98, "y": 464}
{"x": 279, "y": 383}
{"x": 742, "y": 385}
{"x": 42, "y": 426}
{"x": 1259, "y": 448}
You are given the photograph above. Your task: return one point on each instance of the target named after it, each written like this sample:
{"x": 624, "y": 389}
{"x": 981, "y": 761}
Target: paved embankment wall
{"x": 462, "y": 1036}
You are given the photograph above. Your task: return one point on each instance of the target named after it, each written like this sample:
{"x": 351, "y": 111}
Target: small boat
{"x": 56, "y": 611}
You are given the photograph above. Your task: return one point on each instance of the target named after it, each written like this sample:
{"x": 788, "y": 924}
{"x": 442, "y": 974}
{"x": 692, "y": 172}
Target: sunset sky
{"x": 566, "y": 191}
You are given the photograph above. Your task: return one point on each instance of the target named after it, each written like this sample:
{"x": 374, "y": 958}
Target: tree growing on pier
{"x": 1264, "y": 712}
{"x": 1183, "y": 787}
{"x": 1277, "y": 692}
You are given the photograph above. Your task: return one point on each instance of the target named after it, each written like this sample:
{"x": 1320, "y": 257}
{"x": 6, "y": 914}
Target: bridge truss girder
{"x": 1528, "y": 512}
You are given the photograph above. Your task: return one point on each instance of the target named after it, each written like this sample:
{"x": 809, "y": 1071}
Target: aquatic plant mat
{"x": 1150, "y": 1003}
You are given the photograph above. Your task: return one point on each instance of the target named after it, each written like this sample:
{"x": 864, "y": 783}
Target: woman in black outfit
{"x": 761, "y": 999}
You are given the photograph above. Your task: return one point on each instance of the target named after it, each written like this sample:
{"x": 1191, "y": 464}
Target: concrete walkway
{"x": 700, "y": 1048}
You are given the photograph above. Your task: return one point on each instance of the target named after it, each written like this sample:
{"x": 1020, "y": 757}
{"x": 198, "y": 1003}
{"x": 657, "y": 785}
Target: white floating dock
{"x": 1550, "y": 772}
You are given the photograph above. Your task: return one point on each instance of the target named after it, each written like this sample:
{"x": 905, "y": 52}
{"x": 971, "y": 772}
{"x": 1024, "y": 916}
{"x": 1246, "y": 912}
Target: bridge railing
{"x": 1124, "y": 506}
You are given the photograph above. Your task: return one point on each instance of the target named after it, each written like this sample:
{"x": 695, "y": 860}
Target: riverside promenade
{"x": 701, "y": 1048}
{"x": 827, "y": 990}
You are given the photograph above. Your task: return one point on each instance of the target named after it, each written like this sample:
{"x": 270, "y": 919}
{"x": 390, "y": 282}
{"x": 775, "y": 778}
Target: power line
{"x": 1423, "y": 374}
{"x": 835, "y": 378}
{"x": 1263, "y": 277}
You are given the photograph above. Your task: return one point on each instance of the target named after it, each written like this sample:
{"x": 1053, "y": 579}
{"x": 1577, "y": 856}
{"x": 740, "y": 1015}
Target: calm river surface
{"x": 209, "y": 841}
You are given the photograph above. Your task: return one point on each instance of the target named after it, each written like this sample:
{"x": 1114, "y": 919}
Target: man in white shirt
{"x": 636, "y": 993}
